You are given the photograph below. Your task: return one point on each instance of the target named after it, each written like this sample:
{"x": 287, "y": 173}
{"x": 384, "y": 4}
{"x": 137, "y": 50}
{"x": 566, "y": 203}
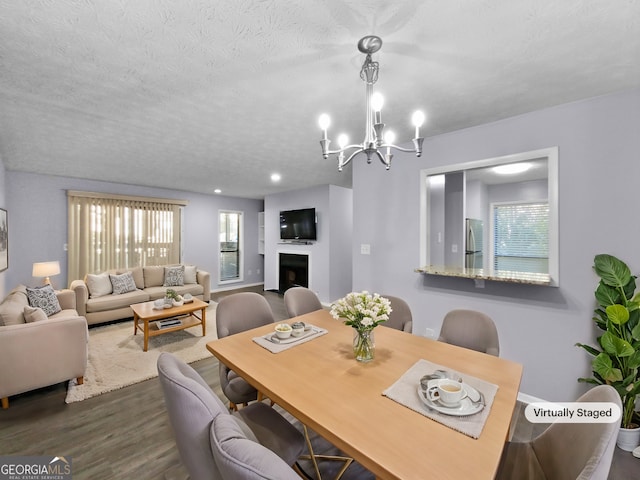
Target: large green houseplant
{"x": 617, "y": 357}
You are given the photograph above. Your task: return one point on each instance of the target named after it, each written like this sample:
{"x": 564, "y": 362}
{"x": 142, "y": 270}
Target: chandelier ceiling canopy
{"x": 375, "y": 138}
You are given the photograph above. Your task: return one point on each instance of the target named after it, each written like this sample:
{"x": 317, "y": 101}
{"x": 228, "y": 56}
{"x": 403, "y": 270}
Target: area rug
{"x": 116, "y": 359}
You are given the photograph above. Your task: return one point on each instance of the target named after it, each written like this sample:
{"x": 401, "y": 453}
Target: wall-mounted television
{"x": 298, "y": 224}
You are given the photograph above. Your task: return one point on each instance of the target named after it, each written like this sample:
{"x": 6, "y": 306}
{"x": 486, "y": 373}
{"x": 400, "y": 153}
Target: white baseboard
{"x": 525, "y": 398}
{"x": 236, "y": 286}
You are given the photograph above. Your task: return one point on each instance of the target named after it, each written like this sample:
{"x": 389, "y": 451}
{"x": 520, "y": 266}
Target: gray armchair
{"x": 236, "y": 313}
{"x": 566, "y": 450}
{"x": 300, "y": 300}
{"x": 470, "y": 329}
{"x": 256, "y": 443}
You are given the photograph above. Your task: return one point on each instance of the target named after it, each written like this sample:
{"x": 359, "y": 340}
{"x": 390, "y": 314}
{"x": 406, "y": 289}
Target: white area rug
{"x": 116, "y": 359}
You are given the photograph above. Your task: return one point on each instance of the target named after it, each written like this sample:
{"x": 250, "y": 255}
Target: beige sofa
{"x": 40, "y": 353}
{"x": 99, "y": 305}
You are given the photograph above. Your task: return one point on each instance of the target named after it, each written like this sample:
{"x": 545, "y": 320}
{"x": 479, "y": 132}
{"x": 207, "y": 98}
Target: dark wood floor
{"x": 125, "y": 434}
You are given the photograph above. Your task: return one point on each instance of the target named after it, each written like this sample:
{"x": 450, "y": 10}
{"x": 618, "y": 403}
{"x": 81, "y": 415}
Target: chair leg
{"x": 314, "y": 458}
{"x": 80, "y": 380}
{"x": 5, "y": 403}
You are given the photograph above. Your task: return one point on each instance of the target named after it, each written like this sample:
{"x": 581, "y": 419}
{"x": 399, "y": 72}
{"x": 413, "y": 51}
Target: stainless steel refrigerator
{"x": 473, "y": 243}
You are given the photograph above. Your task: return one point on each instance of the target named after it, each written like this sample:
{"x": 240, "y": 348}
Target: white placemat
{"x": 405, "y": 392}
{"x": 264, "y": 341}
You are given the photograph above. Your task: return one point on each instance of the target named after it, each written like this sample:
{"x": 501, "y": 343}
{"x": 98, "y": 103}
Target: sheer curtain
{"x": 115, "y": 231}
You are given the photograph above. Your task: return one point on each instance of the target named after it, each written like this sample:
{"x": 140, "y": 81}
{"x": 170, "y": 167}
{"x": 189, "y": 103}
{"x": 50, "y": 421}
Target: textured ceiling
{"x": 200, "y": 94}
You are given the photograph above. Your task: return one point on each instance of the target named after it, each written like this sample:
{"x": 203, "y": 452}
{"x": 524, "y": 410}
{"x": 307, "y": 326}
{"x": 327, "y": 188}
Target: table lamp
{"x": 46, "y": 270}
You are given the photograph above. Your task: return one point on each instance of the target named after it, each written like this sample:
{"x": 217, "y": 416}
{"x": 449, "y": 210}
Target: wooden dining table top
{"x": 321, "y": 384}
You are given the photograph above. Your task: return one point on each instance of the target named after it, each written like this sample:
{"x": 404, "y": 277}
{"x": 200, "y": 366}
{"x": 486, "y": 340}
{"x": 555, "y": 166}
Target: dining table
{"x": 320, "y": 383}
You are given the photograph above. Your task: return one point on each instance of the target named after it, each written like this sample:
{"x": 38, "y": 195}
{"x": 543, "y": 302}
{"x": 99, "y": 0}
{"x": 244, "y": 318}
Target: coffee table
{"x": 144, "y": 313}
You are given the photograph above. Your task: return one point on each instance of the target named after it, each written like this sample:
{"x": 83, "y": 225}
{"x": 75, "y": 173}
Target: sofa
{"x": 108, "y": 296}
{"x": 39, "y": 349}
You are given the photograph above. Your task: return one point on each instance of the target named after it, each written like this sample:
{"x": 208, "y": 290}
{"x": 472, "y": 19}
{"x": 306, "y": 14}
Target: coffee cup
{"x": 447, "y": 392}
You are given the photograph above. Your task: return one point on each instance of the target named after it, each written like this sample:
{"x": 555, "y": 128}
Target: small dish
{"x": 297, "y": 329}
{"x": 283, "y": 330}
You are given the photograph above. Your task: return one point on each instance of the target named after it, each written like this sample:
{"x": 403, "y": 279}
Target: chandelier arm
{"x": 409, "y": 150}
{"x": 344, "y": 149}
{"x": 382, "y": 159}
{"x": 348, "y": 160}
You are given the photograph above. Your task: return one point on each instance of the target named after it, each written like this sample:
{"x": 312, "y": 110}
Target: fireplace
{"x": 293, "y": 270}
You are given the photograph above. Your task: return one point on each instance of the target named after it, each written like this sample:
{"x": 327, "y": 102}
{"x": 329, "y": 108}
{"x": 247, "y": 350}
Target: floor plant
{"x": 617, "y": 356}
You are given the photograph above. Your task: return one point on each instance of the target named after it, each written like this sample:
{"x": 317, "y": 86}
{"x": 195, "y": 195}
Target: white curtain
{"x": 112, "y": 231}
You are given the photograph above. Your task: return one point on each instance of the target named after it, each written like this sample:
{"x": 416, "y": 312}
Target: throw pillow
{"x": 174, "y": 276}
{"x": 190, "y": 274}
{"x": 99, "y": 285}
{"x": 34, "y": 314}
{"x": 123, "y": 283}
{"x": 45, "y": 298}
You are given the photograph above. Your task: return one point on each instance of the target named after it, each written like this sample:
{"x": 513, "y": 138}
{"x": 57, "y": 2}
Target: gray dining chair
{"x": 400, "y": 317}
{"x": 255, "y": 443}
{"x": 300, "y": 300}
{"x": 566, "y": 450}
{"x": 470, "y": 329}
{"x": 236, "y": 313}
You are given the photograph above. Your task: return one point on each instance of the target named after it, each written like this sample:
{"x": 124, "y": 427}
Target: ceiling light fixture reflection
{"x": 276, "y": 177}
{"x": 375, "y": 138}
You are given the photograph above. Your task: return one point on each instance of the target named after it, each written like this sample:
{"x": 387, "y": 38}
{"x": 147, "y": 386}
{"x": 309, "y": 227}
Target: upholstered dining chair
{"x": 236, "y": 313}
{"x": 300, "y": 300}
{"x": 470, "y": 329}
{"x": 255, "y": 443}
{"x": 400, "y": 317}
{"x": 566, "y": 450}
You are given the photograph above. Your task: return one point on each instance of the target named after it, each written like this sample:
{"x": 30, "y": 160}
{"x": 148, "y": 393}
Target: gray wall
{"x": 37, "y": 206}
{"x": 329, "y": 256}
{"x": 3, "y": 204}
{"x": 599, "y": 175}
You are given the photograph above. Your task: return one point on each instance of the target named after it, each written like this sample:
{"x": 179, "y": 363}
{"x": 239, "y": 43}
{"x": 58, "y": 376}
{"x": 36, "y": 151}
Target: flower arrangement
{"x": 362, "y": 311}
{"x": 172, "y": 294}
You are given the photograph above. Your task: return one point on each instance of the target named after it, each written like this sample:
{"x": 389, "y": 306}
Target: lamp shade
{"x": 46, "y": 269}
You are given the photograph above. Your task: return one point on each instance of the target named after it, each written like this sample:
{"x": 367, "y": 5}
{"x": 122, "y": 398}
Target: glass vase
{"x": 364, "y": 346}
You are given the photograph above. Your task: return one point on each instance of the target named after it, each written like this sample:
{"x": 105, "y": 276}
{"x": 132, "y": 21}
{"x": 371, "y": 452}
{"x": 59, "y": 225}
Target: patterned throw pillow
{"x": 45, "y": 298}
{"x": 174, "y": 276}
{"x": 34, "y": 314}
{"x": 122, "y": 283}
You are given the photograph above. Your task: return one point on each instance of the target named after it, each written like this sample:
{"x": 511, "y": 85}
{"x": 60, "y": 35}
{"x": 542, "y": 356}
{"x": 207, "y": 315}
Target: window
{"x": 231, "y": 248}
{"x": 113, "y": 231}
{"x": 521, "y": 237}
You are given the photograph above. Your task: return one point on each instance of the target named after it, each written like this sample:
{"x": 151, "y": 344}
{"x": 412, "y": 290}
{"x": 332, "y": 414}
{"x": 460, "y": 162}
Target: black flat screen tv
{"x": 298, "y": 224}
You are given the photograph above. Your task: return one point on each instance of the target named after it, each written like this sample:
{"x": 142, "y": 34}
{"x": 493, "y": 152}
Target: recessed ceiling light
{"x": 512, "y": 168}
{"x": 275, "y": 177}
{"x": 217, "y": 190}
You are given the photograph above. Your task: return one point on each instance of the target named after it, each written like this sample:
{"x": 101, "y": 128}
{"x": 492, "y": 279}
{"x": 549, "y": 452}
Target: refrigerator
{"x": 473, "y": 243}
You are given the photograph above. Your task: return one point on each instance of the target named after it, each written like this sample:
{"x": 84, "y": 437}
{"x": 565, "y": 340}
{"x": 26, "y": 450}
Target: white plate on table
{"x": 464, "y": 408}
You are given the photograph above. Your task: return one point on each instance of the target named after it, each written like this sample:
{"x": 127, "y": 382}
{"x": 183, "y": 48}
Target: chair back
{"x": 470, "y": 329}
{"x": 580, "y": 450}
{"x": 300, "y": 300}
{"x": 242, "y": 311}
{"x": 192, "y": 406}
{"x": 400, "y": 317}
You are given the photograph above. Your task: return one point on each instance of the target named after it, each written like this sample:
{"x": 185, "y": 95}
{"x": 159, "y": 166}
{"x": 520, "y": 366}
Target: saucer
{"x": 464, "y": 408}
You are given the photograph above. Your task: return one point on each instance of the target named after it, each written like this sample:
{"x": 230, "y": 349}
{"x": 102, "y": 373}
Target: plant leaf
{"x": 593, "y": 381}
{"x": 611, "y": 270}
{"x": 607, "y": 295}
{"x": 618, "y": 314}
{"x": 616, "y": 346}
{"x": 634, "y": 360}
{"x": 593, "y": 351}
{"x": 602, "y": 366}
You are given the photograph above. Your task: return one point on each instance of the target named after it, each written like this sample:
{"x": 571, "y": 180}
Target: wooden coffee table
{"x": 144, "y": 313}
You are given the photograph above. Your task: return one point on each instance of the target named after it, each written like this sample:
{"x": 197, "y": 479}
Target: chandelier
{"x": 375, "y": 137}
